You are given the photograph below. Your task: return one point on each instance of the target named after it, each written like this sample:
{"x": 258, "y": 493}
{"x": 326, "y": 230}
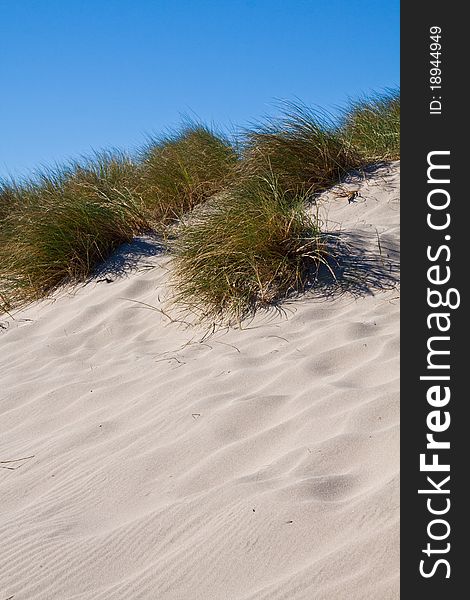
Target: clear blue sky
{"x": 79, "y": 75}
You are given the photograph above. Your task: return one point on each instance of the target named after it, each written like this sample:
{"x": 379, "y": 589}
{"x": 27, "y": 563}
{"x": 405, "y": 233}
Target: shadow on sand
{"x": 360, "y": 264}
{"x": 129, "y": 258}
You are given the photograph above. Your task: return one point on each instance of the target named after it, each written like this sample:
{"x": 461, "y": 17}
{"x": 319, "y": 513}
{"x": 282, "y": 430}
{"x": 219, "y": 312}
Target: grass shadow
{"x": 359, "y": 264}
{"x": 128, "y": 258}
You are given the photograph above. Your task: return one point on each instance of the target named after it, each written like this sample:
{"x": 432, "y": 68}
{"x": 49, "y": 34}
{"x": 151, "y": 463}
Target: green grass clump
{"x": 371, "y": 125}
{"x": 58, "y": 227}
{"x": 248, "y": 248}
{"x": 256, "y": 244}
{"x": 244, "y": 237}
{"x": 305, "y": 149}
{"x": 182, "y": 170}
{"x": 8, "y": 195}
{"x": 64, "y": 223}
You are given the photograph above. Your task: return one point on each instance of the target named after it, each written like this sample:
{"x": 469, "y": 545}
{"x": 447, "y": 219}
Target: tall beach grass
{"x": 371, "y": 125}
{"x": 250, "y": 247}
{"x": 60, "y": 225}
{"x": 258, "y": 243}
{"x": 183, "y": 169}
{"x": 304, "y": 148}
{"x": 235, "y": 216}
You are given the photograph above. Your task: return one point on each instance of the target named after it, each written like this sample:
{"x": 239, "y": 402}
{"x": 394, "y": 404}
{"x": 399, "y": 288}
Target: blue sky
{"x": 82, "y": 75}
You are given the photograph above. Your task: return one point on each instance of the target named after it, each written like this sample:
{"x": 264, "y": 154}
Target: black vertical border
{"x": 421, "y": 133}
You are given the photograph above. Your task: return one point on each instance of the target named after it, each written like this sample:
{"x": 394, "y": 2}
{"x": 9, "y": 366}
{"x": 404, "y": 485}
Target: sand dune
{"x": 151, "y": 462}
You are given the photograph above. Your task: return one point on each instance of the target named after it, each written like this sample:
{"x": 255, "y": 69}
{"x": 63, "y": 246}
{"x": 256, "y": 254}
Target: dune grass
{"x": 57, "y": 227}
{"x": 251, "y": 240}
{"x": 371, "y": 125}
{"x": 62, "y": 224}
{"x": 258, "y": 243}
{"x": 305, "y": 149}
{"x": 7, "y": 198}
{"x": 248, "y": 248}
{"x": 183, "y": 169}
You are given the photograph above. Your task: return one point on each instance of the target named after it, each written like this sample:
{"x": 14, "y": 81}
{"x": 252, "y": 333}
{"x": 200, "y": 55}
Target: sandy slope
{"x": 256, "y": 464}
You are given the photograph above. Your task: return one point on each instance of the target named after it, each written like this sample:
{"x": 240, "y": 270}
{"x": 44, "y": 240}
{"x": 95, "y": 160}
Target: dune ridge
{"x": 151, "y": 460}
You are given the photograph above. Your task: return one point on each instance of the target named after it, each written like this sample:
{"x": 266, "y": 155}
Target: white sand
{"x": 259, "y": 464}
